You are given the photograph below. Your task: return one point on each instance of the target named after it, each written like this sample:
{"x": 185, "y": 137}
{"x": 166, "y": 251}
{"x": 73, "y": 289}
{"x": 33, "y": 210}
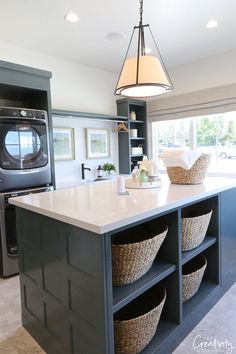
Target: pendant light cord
{"x": 141, "y": 30}
{"x": 141, "y": 12}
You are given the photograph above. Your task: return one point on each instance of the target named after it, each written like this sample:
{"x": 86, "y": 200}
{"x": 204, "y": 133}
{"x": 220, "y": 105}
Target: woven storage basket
{"x": 130, "y": 261}
{"x": 195, "y": 175}
{"x": 194, "y": 226}
{"x": 193, "y": 273}
{"x": 136, "y": 324}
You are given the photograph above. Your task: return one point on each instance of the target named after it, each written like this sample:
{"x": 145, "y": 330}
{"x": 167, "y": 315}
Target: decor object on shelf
{"x": 63, "y": 143}
{"x": 133, "y": 133}
{"x": 194, "y": 225}
{"x": 193, "y": 272}
{"x": 143, "y": 75}
{"x": 97, "y": 143}
{"x": 132, "y": 115}
{"x": 136, "y": 324}
{"x": 138, "y": 150}
{"x": 130, "y": 261}
{"x": 195, "y": 175}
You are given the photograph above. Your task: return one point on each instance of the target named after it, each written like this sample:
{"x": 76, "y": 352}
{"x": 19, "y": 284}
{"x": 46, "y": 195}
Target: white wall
{"x": 74, "y": 87}
{"x": 69, "y": 172}
{"x": 214, "y": 71}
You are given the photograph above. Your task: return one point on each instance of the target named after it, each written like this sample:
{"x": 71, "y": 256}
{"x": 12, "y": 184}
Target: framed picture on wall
{"x": 97, "y": 143}
{"x": 63, "y": 142}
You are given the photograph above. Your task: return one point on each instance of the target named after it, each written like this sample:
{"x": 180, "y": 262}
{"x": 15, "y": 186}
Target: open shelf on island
{"x": 207, "y": 242}
{"x": 164, "y": 329}
{"x": 122, "y": 295}
{"x": 206, "y": 289}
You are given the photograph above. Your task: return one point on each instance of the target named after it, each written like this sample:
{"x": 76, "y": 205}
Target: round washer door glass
{"x": 22, "y": 143}
{"x": 25, "y": 146}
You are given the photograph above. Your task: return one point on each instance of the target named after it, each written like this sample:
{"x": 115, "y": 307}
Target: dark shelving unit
{"x": 167, "y": 270}
{"x": 25, "y": 87}
{"x": 139, "y": 138}
{"x": 207, "y": 242}
{"x": 206, "y": 289}
{"x": 127, "y": 161}
{"x": 164, "y": 330}
{"x": 88, "y": 115}
{"x": 124, "y": 294}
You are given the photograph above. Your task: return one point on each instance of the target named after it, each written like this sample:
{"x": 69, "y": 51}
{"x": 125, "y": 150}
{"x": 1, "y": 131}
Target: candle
{"x": 121, "y": 184}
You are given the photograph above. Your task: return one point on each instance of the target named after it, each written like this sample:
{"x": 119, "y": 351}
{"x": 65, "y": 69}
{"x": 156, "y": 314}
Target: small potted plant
{"x": 109, "y": 168}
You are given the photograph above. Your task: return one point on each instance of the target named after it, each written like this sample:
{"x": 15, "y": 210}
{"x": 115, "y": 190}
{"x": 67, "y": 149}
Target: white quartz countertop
{"x": 98, "y": 207}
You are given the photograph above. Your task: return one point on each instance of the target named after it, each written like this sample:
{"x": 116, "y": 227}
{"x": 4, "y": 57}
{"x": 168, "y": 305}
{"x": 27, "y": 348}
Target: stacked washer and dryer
{"x": 24, "y": 168}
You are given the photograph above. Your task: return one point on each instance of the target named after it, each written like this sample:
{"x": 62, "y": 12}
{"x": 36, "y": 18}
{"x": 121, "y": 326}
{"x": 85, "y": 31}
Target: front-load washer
{"x": 24, "y": 148}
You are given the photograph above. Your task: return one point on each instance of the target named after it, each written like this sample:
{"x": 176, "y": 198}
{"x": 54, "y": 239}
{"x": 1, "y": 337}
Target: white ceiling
{"x": 178, "y": 27}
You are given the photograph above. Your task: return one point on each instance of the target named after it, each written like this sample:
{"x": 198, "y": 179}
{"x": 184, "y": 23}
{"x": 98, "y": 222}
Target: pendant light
{"x": 144, "y": 74}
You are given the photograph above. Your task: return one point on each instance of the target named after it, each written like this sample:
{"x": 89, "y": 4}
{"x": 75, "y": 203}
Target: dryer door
{"x": 23, "y": 144}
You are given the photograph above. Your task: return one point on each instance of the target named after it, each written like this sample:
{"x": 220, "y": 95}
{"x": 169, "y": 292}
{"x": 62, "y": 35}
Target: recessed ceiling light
{"x": 115, "y": 36}
{"x": 212, "y": 24}
{"x": 71, "y": 17}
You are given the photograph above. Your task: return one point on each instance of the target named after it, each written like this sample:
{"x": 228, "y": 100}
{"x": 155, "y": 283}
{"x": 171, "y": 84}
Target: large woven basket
{"x": 136, "y": 324}
{"x": 130, "y": 261}
{"x": 194, "y": 225}
{"x": 195, "y": 175}
{"x": 193, "y": 272}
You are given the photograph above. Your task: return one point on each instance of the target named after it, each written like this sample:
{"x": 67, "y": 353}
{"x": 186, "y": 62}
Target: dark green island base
{"x": 69, "y": 303}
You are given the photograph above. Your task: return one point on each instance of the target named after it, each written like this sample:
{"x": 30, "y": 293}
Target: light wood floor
{"x": 217, "y": 329}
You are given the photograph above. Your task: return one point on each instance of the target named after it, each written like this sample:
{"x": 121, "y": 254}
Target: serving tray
{"x": 129, "y": 183}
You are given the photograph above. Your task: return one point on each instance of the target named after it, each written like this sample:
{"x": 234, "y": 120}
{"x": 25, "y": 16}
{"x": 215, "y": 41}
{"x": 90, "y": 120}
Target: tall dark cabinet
{"x": 25, "y": 87}
{"x": 128, "y": 158}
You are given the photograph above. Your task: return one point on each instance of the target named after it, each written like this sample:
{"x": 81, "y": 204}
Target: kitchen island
{"x": 65, "y": 236}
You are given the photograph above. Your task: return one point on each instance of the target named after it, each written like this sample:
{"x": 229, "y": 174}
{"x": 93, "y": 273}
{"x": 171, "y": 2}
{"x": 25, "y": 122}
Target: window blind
{"x": 198, "y": 103}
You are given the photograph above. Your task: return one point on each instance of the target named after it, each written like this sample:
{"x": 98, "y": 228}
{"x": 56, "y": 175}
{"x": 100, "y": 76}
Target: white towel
{"x": 179, "y": 157}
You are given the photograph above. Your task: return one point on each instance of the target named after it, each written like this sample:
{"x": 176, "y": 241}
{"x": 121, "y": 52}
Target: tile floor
{"x": 216, "y": 333}
{"x": 10, "y": 318}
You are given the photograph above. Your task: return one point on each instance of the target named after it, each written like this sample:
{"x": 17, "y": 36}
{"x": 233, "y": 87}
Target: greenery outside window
{"x": 214, "y": 134}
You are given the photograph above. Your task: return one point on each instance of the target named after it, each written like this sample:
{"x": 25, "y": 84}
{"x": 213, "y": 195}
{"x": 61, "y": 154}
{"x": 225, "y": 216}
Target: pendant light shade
{"x": 143, "y": 75}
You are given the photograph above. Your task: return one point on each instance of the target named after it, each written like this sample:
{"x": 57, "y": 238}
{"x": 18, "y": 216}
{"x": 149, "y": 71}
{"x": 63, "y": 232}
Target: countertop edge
{"x": 98, "y": 229}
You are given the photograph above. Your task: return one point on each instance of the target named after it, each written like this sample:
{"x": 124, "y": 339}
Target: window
{"x": 214, "y": 134}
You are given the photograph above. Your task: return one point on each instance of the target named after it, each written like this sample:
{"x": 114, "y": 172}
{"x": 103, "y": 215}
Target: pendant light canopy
{"x": 143, "y": 75}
